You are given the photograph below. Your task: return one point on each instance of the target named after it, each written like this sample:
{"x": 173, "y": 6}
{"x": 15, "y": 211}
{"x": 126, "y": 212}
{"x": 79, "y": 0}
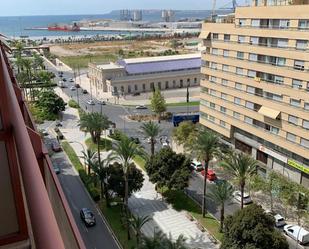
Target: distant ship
{"x": 67, "y": 28}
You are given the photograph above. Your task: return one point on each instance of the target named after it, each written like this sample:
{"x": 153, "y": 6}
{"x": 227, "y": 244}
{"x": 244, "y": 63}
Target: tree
{"x": 185, "y": 134}
{"x": 124, "y": 152}
{"x": 137, "y": 223}
{"x": 50, "y": 102}
{"x": 160, "y": 241}
{"x": 174, "y": 44}
{"x": 158, "y": 104}
{"x": 206, "y": 147}
{"x": 89, "y": 157}
{"x": 169, "y": 169}
{"x": 252, "y": 228}
{"x": 241, "y": 166}
{"x": 221, "y": 193}
{"x": 151, "y": 130}
{"x": 100, "y": 170}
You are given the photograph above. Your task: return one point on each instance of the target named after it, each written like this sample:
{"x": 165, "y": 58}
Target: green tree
{"x": 89, "y": 157}
{"x": 252, "y": 228}
{"x": 38, "y": 62}
{"x": 154, "y": 242}
{"x": 185, "y": 134}
{"x": 151, "y": 130}
{"x": 137, "y": 223}
{"x": 174, "y": 44}
{"x": 50, "y": 102}
{"x": 241, "y": 166}
{"x": 206, "y": 147}
{"x": 158, "y": 104}
{"x": 124, "y": 152}
{"x": 169, "y": 169}
{"x": 221, "y": 193}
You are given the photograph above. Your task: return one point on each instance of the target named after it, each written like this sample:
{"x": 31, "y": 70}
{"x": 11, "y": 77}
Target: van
{"x": 297, "y": 233}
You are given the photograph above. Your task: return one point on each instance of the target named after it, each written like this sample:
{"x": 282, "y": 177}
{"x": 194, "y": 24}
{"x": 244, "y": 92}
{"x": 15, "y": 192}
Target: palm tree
{"x": 178, "y": 244}
{"x": 220, "y": 194}
{"x": 241, "y": 166}
{"x": 89, "y": 157}
{"x": 154, "y": 242}
{"x": 27, "y": 65}
{"x": 151, "y": 130}
{"x": 206, "y": 147}
{"x": 137, "y": 223}
{"x": 124, "y": 152}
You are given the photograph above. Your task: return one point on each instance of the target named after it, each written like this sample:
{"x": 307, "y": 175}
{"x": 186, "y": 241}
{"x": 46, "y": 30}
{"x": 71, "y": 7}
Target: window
{"x": 236, "y": 115}
{"x": 306, "y": 106}
{"x": 251, "y": 73}
{"x": 296, "y": 83}
{"x": 215, "y": 36}
{"x": 144, "y": 87}
{"x": 255, "y": 22}
{"x": 295, "y": 102}
{"x": 306, "y": 124}
{"x": 253, "y": 57}
{"x": 251, "y": 89}
{"x": 174, "y": 83}
{"x": 248, "y": 120}
{"x": 222, "y": 123}
{"x": 227, "y": 37}
{"x": 222, "y": 109}
{"x": 135, "y": 87}
{"x": 195, "y": 80}
{"x": 129, "y": 89}
{"x": 273, "y": 96}
{"x": 223, "y": 96}
{"x": 212, "y": 92}
{"x": 278, "y": 79}
{"x": 301, "y": 44}
{"x": 238, "y": 86}
{"x": 204, "y": 89}
{"x": 282, "y": 43}
{"x": 242, "y": 22}
{"x": 291, "y": 137}
{"x": 241, "y": 39}
{"x": 213, "y": 79}
{"x": 225, "y": 53}
{"x": 240, "y": 55}
{"x": 115, "y": 89}
{"x": 166, "y": 85}
{"x": 293, "y": 120}
{"x": 304, "y": 142}
{"x": 237, "y": 101}
{"x": 212, "y": 105}
{"x": 249, "y": 105}
{"x": 188, "y": 81}
{"x": 122, "y": 89}
{"x": 299, "y": 65}
{"x": 274, "y": 130}
{"x": 225, "y": 68}
{"x": 239, "y": 71}
{"x": 204, "y": 102}
{"x": 215, "y": 51}
{"x": 280, "y": 61}
{"x": 211, "y": 118}
{"x": 224, "y": 82}
{"x": 213, "y": 65}
{"x": 284, "y": 23}
{"x": 254, "y": 40}
{"x": 159, "y": 85}
{"x": 181, "y": 83}
{"x": 303, "y": 24}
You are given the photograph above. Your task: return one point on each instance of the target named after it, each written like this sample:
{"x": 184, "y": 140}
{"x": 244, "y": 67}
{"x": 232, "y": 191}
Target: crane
{"x": 213, "y": 11}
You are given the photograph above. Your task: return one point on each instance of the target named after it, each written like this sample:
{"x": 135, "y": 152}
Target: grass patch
{"x": 39, "y": 115}
{"x": 72, "y": 155}
{"x": 180, "y": 202}
{"x": 72, "y": 103}
{"x": 113, "y": 216}
{"x": 140, "y": 162}
{"x": 83, "y": 60}
{"x": 193, "y": 103}
{"x": 105, "y": 144}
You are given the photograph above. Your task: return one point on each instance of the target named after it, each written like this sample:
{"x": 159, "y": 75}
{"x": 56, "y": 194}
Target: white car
{"x": 90, "y": 102}
{"x": 247, "y": 198}
{"x": 196, "y": 165}
{"x": 149, "y": 140}
{"x": 297, "y": 233}
{"x": 73, "y": 88}
{"x": 165, "y": 144}
{"x": 279, "y": 220}
{"x": 141, "y": 107}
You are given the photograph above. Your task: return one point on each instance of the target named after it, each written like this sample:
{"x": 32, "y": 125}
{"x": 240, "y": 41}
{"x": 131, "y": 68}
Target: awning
{"x": 268, "y": 112}
{"x": 204, "y": 34}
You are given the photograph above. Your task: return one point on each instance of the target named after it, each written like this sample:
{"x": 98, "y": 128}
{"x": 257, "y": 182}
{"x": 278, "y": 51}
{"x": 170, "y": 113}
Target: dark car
{"x": 87, "y": 217}
{"x": 58, "y": 124}
{"x": 56, "y": 147}
{"x": 135, "y": 140}
{"x": 136, "y": 94}
{"x": 84, "y": 91}
{"x": 56, "y": 168}
{"x": 64, "y": 79}
{"x": 77, "y": 85}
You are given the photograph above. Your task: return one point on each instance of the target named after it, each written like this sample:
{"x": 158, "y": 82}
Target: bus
{"x": 178, "y": 118}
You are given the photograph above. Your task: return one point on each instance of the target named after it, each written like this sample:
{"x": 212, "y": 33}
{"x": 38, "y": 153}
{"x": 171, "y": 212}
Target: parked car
{"x": 84, "y": 91}
{"x": 90, "y": 102}
{"x": 60, "y": 75}
{"x": 102, "y": 102}
{"x": 44, "y": 132}
{"x": 149, "y": 140}
{"x": 247, "y": 199}
{"x": 71, "y": 80}
{"x": 87, "y": 217}
{"x": 195, "y": 165}
{"x": 56, "y": 168}
{"x": 140, "y": 107}
{"x": 58, "y": 124}
{"x": 56, "y": 147}
{"x": 279, "y": 220}
{"x": 73, "y": 88}
{"x": 297, "y": 233}
{"x": 136, "y": 94}
{"x": 135, "y": 140}
{"x": 211, "y": 175}
{"x": 165, "y": 144}
{"x": 64, "y": 79}
{"x": 77, "y": 85}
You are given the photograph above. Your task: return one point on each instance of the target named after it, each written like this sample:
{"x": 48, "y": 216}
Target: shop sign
{"x": 298, "y": 166}
{"x": 273, "y": 154}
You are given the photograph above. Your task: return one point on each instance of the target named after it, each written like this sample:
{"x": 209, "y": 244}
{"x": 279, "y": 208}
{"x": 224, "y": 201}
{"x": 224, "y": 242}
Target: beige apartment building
{"x": 128, "y": 76}
{"x": 255, "y": 84}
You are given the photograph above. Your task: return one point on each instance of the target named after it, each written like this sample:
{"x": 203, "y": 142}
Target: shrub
{"x": 72, "y": 103}
{"x": 94, "y": 193}
{"x": 117, "y": 135}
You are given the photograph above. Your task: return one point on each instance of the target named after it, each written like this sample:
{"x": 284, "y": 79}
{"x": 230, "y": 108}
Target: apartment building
{"x": 128, "y": 76}
{"x": 255, "y": 84}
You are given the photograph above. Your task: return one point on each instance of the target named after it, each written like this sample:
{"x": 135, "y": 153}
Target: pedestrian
{"x": 86, "y": 108}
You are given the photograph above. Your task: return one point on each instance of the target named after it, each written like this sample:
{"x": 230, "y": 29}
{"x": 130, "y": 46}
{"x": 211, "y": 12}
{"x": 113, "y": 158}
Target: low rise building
{"x": 128, "y": 76}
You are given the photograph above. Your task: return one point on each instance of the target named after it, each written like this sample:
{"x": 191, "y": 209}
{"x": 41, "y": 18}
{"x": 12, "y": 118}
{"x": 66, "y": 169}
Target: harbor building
{"x": 255, "y": 87}
{"x": 128, "y": 76}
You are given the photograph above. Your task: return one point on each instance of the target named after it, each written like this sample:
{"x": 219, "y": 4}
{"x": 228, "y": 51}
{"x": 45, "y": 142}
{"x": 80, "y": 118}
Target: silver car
{"x": 246, "y": 197}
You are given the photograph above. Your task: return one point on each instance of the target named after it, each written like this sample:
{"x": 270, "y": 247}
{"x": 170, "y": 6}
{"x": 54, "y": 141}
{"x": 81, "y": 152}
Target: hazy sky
{"x": 59, "y": 7}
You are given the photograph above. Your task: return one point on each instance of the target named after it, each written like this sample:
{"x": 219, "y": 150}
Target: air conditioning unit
{"x": 257, "y": 79}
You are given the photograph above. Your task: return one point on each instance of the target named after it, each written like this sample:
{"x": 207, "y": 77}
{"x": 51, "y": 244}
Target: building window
{"x": 211, "y": 118}
{"x": 115, "y": 89}
{"x": 152, "y": 87}
{"x": 222, "y": 109}
{"x": 304, "y": 142}
{"x": 239, "y": 71}
{"x": 224, "y": 82}
{"x": 274, "y": 130}
{"x": 204, "y": 102}
{"x": 301, "y": 44}
{"x": 240, "y": 55}
{"x": 248, "y": 120}
{"x": 278, "y": 79}
{"x": 144, "y": 87}
{"x": 222, "y": 123}
{"x": 122, "y": 89}
{"x": 254, "y": 40}
{"x": 188, "y": 81}
{"x": 223, "y": 96}
{"x": 236, "y": 115}
{"x": 251, "y": 73}
{"x": 159, "y": 85}
{"x": 242, "y": 22}
{"x": 195, "y": 80}
{"x": 241, "y": 39}
{"x": 251, "y": 89}
{"x": 129, "y": 88}
{"x": 135, "y": 87}
{"x": 249, "y": 105}
{"x": 174, "y": 83}
{"x": 291, "y": 137}
{"x": 237, "y": 101}
{"x": 306, "y": 106}
{"x": 166, "y": 85}
{"x": 205, "y": 89}
{"x": 296, "y": 83}
{"x": 215, "y": 36}
{"x": 225, "y": 68}
{"x": 299, "y": 65}
{"x": 204, "y": 115}
{"x": 255, "y": 22}
{"x": 238, "y": 86}
{"x": 227, "y": 37}
{"x": 282, "y": 43}
{"x": 181, "y": 83}
{"x": 213, "y": 65}
{"x": 212, "y": 105}
{"x": 295, "y": 102}
{"x": 225, "y": 53}
{"x": 293, "y": 120}
{"x": 253, "y": 57}
{"x": 212, "y": 92}
{"x": 214, "y": 51}
{"x": 213, "y": 79}
{"x": 306, "y": 124}
{"x": 303, "y": 24}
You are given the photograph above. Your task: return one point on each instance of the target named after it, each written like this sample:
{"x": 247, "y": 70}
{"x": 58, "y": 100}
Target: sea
{"x": 16, "y": 26}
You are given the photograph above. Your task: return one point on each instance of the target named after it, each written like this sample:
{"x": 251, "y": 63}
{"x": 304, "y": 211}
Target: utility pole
{"x": 188, "y": 98}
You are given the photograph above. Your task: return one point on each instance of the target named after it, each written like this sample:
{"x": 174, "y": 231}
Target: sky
{"x": 73, "y": 7}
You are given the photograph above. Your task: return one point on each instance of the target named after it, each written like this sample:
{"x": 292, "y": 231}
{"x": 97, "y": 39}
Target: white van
{"x": 297, "y": 233}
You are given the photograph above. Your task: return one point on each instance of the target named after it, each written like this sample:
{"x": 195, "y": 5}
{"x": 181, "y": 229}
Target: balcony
{"x": 36, "y": 214}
